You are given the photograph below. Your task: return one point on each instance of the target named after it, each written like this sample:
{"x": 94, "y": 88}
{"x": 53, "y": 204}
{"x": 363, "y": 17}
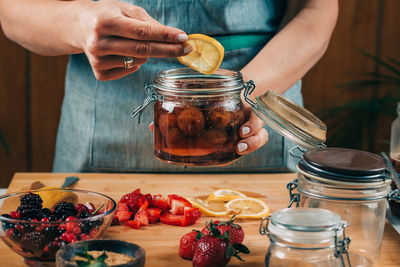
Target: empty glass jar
{"x": 353, "y": 184}
{"x": 305, "y": 238}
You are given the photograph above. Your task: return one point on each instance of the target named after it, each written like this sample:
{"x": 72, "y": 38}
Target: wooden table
{"x": 161, "y": 241}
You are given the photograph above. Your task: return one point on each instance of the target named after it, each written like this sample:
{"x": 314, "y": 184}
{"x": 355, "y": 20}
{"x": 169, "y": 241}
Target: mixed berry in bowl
{"x": 36, "y": 224}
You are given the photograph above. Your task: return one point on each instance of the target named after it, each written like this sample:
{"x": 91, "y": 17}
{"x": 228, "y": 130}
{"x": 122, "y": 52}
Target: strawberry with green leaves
{"x": 236, "y": 233}
{"x": 187, "y": 244}
{"x": 215, "y": 249}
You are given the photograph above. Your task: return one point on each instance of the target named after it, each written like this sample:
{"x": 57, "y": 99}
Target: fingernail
{"x": 187, "y": 49}
{"x": 242, "y": 147}
{"x": 245, "y": 130}
{"x": 182, "y": 37}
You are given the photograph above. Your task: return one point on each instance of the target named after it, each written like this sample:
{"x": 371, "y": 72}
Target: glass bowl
{"x": 36, "y": 233}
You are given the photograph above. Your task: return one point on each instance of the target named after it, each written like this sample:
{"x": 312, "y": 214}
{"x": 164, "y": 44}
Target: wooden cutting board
{"x": 161, "y": 241}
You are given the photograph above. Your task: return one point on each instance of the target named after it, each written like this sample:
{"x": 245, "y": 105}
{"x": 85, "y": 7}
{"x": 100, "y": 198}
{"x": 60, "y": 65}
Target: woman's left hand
{"x": 253, "y": 134}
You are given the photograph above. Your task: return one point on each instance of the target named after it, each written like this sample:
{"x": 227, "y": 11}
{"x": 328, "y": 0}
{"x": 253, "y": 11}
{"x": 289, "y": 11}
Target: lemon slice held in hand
{"x": 224, "y": 195}
{"x": 210, "y": 208}
{"x": 248, "y": 208}
{"x": 206, "y": 56}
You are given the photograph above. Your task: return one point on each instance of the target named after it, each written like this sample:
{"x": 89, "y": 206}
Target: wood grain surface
{"x": 161, "y": 241}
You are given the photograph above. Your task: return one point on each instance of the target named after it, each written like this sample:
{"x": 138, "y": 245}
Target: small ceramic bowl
{"x": 65, "y": 254}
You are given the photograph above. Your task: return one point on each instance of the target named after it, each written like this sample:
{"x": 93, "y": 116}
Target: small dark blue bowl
{"x": 65, "y": 254}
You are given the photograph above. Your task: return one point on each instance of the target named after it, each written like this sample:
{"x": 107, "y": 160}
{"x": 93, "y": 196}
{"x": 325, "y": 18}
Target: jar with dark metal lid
{"x": 355, "y": 184}
{"x": 305, "y": 237}
{"x": 196, "y": 116}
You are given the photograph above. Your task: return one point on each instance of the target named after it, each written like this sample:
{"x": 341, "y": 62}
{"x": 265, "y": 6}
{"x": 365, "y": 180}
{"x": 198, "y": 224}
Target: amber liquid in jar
{"x": 198, "y": 131}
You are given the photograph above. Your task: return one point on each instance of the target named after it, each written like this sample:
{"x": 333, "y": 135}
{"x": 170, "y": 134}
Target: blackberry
{"x": 86, "y": 227}
{"x": 53, "y": 247}
{"x": 84, "y": 215}
{"x": 16, "y": 236}
{"x": 33, "y": 242}
{"x": 46, "y": 213}
{"x": 65, "y": 209}
{"x": 51, "y": 232}
{"x": 6, "y": 225}
{"x": 29, "y": 212}
{"x": 33, "y": 200}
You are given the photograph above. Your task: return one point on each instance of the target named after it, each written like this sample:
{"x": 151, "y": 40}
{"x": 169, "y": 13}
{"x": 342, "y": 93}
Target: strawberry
{"x": 124, "y": 216}
{"x": 146, "y": 197}
{"x": 171, "y": 219}
{"x": 210, "y": 251}
{"x": 154, "y": 212}
{"x": 187, "y": 244}
{"x": 215, "y": 250}
{"x": 191, "y": 215}
{"x": 132, "y": 200}
{"x": 152, "y": 219}
{"x": 236, "y": 233}
{"x": 159, "y": 202}
{"x": 133, "y": 224}
{"x": 177, "y": 204}
{"x": 115, "y": 220}
{"x": 122, "y": 207}
{"x": 141, "y": 215}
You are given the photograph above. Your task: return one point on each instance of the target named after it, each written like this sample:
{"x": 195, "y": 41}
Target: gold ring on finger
{"x": 128, "y": 62}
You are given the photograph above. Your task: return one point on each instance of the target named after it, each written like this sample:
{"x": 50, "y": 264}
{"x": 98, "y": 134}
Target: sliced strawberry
{"x": 141, "y": 216}
{"x": 153, "y": 212}
{"x": 144, "y": 206}
{"x": 123, "y": 216}
{"x": 152, "y": 219}
{"x": 171, "y": 219}
{"x": 144, "y": 198}
{"x": 115, "y": 220}
{"x": 122, "y": 207}
{"x": 177, "y": 204}
{"x": 191, "y": 215}
{"x": 160, "y": 202}
{"x": 132, "y": 200}
{"x": 133, "y": 224}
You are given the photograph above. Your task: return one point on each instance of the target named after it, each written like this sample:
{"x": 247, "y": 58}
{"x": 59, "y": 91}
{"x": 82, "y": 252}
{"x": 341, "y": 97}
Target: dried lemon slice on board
{"x": 248, "y": 208}
{"x": 210, "y": 208}
{"x": 206, "y": 56}
{"x": 224, "y": 195}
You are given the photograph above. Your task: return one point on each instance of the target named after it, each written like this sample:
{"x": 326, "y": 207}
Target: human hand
{"x": 253, "y": 134}
{"x": 112, "y": 30}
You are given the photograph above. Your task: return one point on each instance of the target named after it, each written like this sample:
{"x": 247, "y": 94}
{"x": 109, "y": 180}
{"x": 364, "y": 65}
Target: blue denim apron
{"x": 96, "y": 132}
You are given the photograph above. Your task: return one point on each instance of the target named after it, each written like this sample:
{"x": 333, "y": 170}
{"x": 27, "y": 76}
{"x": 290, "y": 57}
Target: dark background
{"x": 31, "y": 86}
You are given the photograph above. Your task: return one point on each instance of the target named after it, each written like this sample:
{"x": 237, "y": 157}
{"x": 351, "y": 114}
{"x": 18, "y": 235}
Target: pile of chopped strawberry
{"x": 214, "y": 245}
{"x": 136, "y": 209}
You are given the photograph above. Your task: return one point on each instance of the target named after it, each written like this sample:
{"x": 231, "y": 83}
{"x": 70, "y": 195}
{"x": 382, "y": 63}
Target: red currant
{"x": 45, "y": 219}
{"x": 70, "y": 218}
{"x": 84, "y": 237}
{"x": 69, "y": 226}
{"x": 19, "y": 227}
{"x": 15, "y": 215}
{"x": 9, "y": 232}
{"x": 77, "y": 230}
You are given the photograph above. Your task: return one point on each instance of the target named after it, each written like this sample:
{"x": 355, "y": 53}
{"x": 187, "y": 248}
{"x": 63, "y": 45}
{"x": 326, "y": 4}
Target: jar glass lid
{"x": 305, "y": 225}
{"x": 344, "y": 164}
{"x": 288, "y": 118}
